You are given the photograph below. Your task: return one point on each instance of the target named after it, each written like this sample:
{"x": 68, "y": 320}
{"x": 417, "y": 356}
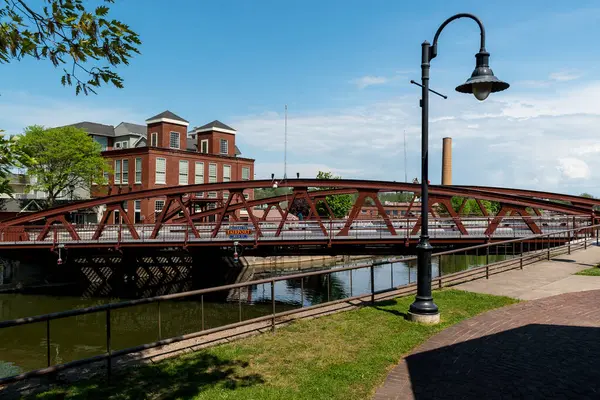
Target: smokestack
{"x": 447, "y": 161}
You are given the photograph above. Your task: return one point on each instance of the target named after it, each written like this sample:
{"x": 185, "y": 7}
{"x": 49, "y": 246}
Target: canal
{"x": 24, "y": 348}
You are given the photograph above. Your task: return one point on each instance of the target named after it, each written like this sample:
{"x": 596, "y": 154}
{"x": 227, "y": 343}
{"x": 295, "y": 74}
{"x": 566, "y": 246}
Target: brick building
{"x": 163, "y": 153}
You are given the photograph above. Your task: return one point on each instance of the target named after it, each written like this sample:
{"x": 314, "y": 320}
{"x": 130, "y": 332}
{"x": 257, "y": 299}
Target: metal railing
{"x": 359, "y": 229}
{"x": 523, "y": 251}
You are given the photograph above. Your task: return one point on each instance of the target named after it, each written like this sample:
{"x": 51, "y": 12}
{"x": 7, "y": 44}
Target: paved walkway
{"x": 540, "y": 349}
{"x": 542, "y": 279}
{"x": 545, "y": 348}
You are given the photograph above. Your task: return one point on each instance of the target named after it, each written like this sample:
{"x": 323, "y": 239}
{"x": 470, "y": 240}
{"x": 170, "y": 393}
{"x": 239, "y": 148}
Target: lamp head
{"x": 482, "y": 81}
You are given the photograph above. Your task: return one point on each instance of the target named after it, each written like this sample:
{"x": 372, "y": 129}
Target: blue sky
{"x": 343, "y": 68}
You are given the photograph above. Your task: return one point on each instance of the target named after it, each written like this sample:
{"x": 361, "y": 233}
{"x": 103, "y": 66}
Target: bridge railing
{"x": 482, "y": 262}
{"x": 365, "y": 229}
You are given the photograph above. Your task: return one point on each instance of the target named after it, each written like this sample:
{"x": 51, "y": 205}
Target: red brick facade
{"x": 172, "y": 164}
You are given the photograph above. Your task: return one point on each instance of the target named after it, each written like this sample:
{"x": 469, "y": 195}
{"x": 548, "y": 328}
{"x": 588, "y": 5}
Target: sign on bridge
{"x": 238, "y": 232}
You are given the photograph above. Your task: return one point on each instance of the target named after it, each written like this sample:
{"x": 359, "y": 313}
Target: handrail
{"x": 561, "y": 235}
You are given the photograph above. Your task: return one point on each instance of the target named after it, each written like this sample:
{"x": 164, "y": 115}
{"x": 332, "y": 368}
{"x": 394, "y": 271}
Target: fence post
{"x": 440, "y": 272}
{"x": 548, "y": 248}
{"x": 372, "y": 284}
{"x": 328, "y": 276}
{"x": 108, "y": 349}
{"x": 273, "y": 304}
{"x": 487, "y": 255}
{"x": 585, "y": 240}
{"x": 521, "y": 260}
{"x": 48, "y": 340}
{"x": 596, "y": 236}
{"x": 302, "y": 289}
{"x": 159, "y": 322}
{"x": 569, "y": 243}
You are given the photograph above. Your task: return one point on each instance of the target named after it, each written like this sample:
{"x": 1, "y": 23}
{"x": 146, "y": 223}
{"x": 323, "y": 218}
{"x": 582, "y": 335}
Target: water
{"x": 24, "y": 348}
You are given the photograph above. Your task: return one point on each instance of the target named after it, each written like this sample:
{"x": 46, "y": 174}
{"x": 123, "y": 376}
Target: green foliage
{"x": 11, "y": 156}
{"x": 401, "y": 197}
{"x": 586, "y": 195}
{"x": 69, "y": 35}
{"x": 65, "y": 157}
{"x": 270, "y": 192}
{"x": 594, "y": 271}
{"x": 472, "y": 208}
{"x": 339, "y": 204}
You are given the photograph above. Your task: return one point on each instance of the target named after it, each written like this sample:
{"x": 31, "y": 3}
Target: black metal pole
{"x": 423, "y": 304}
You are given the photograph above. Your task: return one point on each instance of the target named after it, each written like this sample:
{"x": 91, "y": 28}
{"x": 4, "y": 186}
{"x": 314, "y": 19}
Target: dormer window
{"x": 204, "y": 146}
{"x": 154, "y": 139}
{"x": 174, "y": 140}
{"x": 224, "y": 146}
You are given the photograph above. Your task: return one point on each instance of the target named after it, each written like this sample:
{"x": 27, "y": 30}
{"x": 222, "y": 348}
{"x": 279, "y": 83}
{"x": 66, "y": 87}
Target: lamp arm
{"x": 433, "y": 50}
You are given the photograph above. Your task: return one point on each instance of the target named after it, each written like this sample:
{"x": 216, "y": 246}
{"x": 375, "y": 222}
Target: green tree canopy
{"x": 11, "y": 156}
{"x": 586, "y": 195}
{"x": 85, "y": 43}
{"x": 340, "y": 204}
{"x": 65, "y": 157}
{"x": 472, "y": 208}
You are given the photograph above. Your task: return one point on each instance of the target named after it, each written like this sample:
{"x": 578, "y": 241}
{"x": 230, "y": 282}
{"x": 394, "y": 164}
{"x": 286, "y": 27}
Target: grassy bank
{"x": 342, "y": 356}
{"x": 594, "y": 271}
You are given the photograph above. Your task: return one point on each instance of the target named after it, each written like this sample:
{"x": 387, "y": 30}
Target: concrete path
{"x": 539, "y": 349}
{"x": 543, "y": 279}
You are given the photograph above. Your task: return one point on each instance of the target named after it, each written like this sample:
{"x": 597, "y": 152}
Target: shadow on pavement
{"x": 530, "y": 362}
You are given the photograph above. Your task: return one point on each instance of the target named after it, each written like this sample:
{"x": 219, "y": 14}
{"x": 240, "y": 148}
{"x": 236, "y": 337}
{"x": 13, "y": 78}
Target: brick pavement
{"x": 539, "y": 349}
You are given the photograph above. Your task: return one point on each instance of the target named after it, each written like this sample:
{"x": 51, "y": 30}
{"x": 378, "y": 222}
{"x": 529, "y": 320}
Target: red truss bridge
{"x": 184, "y": 219}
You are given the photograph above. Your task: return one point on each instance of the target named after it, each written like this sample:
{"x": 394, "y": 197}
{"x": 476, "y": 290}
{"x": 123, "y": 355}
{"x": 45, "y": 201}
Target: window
{"x": 161, "y": 171}
{"x": 117, "y": 172}
{"x": 183, "y": 172}
{"x": 105, "y": 176}
{"x": 200, "y": 194}
{"x": 225, "y": 195}
{"x": 137, "y": 208}
{"x": 117, "y": 145}
{"x": 125, "y": 178}
{"x": 245, "y": 173}
{"x": 154, "y": 139}
{"x": 204, "y": 146}
{"x": 246, "y": 196}
{"x": 224, "y": 146}
{"x": 158, "y": 206}
{"x": 125, "y": 144}
{"x": 212, "y": 195}
{"x": 174, "y": 140}
{"x": 138, "y": 170}
{"x": 199, "y": 173}
{"x": 212, "y": 173}
{"x": 226, "y": 173}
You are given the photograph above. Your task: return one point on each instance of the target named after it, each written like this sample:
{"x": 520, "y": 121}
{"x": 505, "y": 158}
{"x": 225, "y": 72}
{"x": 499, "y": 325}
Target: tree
{"x": 66, "y": 158}
{"x": 11, "y": 156}
{"x": 472, "y": 208}
{"x": 586, "y": 195}
{"x": 339, "y": 204}
{"x": 67, "y": 34}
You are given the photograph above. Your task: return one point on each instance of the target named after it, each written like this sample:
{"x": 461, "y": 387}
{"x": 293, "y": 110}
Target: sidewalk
{"x": 544, "y": 348}
{"x": 542, "y": 279}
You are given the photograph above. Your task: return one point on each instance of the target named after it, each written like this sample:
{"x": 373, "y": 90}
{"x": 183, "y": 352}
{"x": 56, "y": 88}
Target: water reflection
{"x": 24, "y": 348}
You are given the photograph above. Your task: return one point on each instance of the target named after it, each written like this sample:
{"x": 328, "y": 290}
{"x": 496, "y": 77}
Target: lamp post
{"x": 481, "y": 83}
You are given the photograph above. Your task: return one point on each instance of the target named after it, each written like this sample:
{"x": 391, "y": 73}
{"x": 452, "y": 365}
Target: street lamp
{"x": 481, "y": 83}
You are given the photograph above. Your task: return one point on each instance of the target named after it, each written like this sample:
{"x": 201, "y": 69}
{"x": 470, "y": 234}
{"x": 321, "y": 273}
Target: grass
{"x": 342, "y": 356}
{"x": 594, "y": 271}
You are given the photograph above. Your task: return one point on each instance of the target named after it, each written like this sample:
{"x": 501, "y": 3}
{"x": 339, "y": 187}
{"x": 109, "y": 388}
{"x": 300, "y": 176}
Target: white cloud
{"x": 369, "y": 80}
{"x": 573, "y": 168}
{"x": 532, "y": 140}
{"x": 563, "y": 76}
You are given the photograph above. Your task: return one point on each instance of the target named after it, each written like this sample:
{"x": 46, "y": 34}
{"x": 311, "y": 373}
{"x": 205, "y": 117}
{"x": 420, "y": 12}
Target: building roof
{"x": 237, "y": 151}
{"x": 167, "y": 115}
{"x": 135, "y": 128}
{"x": 214, "y": 124}
{"x": 94, "y": 128}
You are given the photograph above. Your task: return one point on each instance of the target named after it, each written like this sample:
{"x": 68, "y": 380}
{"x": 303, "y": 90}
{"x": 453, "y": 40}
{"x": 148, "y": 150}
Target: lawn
{"x": 342, "y": 356}
{"x": 594, "y": 271}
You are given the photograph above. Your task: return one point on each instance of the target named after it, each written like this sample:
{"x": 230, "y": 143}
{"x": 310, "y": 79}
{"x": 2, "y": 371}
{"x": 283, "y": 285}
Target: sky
{"x": 343, "y": 68}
